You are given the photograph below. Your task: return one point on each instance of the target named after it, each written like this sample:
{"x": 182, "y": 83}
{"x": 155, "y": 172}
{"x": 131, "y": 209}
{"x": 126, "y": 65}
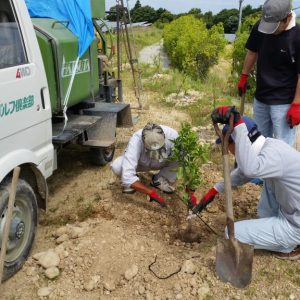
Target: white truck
{"x": 31, "y": 122}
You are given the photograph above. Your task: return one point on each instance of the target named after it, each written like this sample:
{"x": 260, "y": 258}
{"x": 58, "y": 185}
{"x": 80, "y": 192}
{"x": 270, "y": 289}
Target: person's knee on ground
{"x": 116, "y": 166}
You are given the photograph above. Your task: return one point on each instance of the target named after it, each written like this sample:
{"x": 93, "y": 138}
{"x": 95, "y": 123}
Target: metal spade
{"x": 233, "y": 258}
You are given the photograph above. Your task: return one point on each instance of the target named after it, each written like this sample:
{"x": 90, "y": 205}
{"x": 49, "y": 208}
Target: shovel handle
{"x": 242, "y": 108}
{"x": 226, "y": 173}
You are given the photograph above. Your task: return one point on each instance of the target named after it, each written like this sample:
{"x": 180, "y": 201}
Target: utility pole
{"x": 240, "y": 13}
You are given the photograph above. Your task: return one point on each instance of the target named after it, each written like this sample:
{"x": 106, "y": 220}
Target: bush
{"x": 193, "y": 48}
{"x": 239, "y": 53}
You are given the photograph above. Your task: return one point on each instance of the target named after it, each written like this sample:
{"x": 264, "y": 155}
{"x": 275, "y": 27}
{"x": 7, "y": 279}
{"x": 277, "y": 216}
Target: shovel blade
{"x": 234, "y": 262}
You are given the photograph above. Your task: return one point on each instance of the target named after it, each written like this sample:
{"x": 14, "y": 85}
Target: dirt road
{"x": 155, "y": 54}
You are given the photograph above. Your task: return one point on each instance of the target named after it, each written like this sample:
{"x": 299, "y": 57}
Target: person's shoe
{"x": 128, "y": 190}
{"x": 294, "y": 255}
{"x": 162, "y": 184}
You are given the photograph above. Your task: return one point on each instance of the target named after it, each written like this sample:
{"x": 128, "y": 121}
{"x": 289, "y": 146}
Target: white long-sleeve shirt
{"x": 135, "y": 156}
{"x": 277, "y": 163}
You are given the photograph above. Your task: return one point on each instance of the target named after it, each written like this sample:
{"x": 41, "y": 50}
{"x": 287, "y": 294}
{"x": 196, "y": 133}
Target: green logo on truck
{"x": 14, "y": 106}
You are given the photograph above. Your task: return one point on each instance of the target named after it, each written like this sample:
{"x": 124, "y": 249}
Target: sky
{"x": 179, "y": 6}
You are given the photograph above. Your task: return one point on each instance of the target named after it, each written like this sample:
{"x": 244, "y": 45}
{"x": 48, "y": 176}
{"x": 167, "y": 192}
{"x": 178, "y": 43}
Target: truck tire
{"x": 23, "y": 226}
{"x": 101, "y": 156}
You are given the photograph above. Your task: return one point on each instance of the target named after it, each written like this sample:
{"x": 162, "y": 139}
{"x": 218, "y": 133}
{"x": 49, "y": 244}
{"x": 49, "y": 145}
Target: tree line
{"x": 228, "y": 17}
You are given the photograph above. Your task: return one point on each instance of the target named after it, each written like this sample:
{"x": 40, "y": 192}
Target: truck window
{"x": 12, "y": 52}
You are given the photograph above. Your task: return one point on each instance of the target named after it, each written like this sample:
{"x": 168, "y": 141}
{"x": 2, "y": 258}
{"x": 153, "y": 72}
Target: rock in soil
{"x": 44, "y": 291}
{"x": 131, "y": 272}
{"x": 52, "y": 272}
{"x": 188, "y": 267}
{"x": 49, "y": 259}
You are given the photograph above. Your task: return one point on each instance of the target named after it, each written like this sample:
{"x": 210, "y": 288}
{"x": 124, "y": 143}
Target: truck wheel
{"x": 101, "y": 156}
{"x": 23, "y": 225}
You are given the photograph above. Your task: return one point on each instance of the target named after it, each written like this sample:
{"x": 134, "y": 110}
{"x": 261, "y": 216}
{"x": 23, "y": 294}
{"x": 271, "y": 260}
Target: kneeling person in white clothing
{"x": 278, "y": 225}
{"x": 148, "y": 149}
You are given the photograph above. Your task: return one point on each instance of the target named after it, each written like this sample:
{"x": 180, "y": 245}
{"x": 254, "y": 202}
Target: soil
{"x": 106, "y": 240}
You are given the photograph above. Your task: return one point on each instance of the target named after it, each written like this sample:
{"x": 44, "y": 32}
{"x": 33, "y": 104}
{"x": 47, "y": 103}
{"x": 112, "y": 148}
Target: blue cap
{"x": 250, "y": 124}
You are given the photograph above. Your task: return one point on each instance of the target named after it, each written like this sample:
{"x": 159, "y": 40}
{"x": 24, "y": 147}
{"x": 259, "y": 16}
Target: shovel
{"x": 242, "y": 108}
{"x": 233, "y": 258}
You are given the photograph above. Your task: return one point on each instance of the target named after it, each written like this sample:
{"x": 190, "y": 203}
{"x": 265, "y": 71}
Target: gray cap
{"x": 153, "y": 138}
{"x": 273, "y": 12}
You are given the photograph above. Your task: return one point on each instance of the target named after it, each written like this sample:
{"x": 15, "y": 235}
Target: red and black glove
{"x": 293, "y": 115}
{"x": 192, "y": 198}
{"x": 242, "y": 84}
{"x": 222, "y": 115}
{"x": 154, "y": 197}
{"x": 208, "y": 198}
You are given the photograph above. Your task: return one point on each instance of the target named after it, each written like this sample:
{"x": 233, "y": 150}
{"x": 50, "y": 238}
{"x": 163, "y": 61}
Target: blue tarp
{"x": 77, "y": 12}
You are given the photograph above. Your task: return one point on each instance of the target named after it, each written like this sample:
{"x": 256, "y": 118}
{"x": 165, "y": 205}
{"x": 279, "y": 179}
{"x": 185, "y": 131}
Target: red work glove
{"x": 192, "y": 198}
{"x": 222, "y": 115}
{"x": 242, "y": 84}
{"x": 208, "y": 198}
{"x": 154, "y": 197}
{"x": 293, "y": 115}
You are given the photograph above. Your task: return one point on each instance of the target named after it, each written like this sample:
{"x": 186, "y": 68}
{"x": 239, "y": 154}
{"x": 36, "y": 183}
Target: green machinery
{"x": 92, "y": 113}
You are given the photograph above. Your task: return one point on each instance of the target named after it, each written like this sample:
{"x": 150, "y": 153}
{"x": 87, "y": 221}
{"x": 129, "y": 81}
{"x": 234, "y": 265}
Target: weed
{"x": 86, "y": 212}
{"x": 80, "y": 199}
{"x": 97, "y": 197}
{"x": 53, "y": 209}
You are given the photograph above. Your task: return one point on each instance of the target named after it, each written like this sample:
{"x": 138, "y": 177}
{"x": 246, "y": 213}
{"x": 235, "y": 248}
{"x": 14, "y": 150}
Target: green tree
{"x": 112, "y": 14}
{"x": 229, "y": 18}
{"x": 191, "y": 47}
{"x": 208, "y": 19}
{"x": 196, "y": 12}
{"x": 137, "y": 5}
{"x": 190, "y": 155}
{"x": 144, "y": 14}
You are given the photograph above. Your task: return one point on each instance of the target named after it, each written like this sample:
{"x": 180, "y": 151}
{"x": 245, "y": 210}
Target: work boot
{"x": 162, "y": 184}
{"x": 128, "y": 190}
{"x": 293, "y": 255}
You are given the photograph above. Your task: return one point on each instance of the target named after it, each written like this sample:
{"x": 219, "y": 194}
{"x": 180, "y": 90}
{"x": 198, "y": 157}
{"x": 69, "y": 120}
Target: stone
{"x": 31, "y": 271}
{"x": 141, "y": 290}
{"x": 203, "y": 291}
{"x": 76, "y": 232}
{"x": 62, "y": 238}
{"x": 179, "y": 296}
{"x": 292, "y": 297}
{"x": 49, "y": 259}
{"x": 177, "y": 287}
{"x": 131, "y": 272}
{"x": 149, "y": 296}
{"x": 193, "y": 282}
{"x": 44, "y": 291}
{"x": 109, "y": 286}
{"x": 60, "y": 231}
{"x": 91, "y": 283}
{"x": 52, "y": 272}
{"x": 188, "y": 267}
{"x": 38, "y": 255}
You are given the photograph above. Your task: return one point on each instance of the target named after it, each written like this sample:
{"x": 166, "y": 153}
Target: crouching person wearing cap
{"x": 278, "y": 225}
{"x": 148, "y": 149}
{"x": 274, "y": 46}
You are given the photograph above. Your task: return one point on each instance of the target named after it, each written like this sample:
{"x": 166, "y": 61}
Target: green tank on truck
{"x": 59, "y": 49}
